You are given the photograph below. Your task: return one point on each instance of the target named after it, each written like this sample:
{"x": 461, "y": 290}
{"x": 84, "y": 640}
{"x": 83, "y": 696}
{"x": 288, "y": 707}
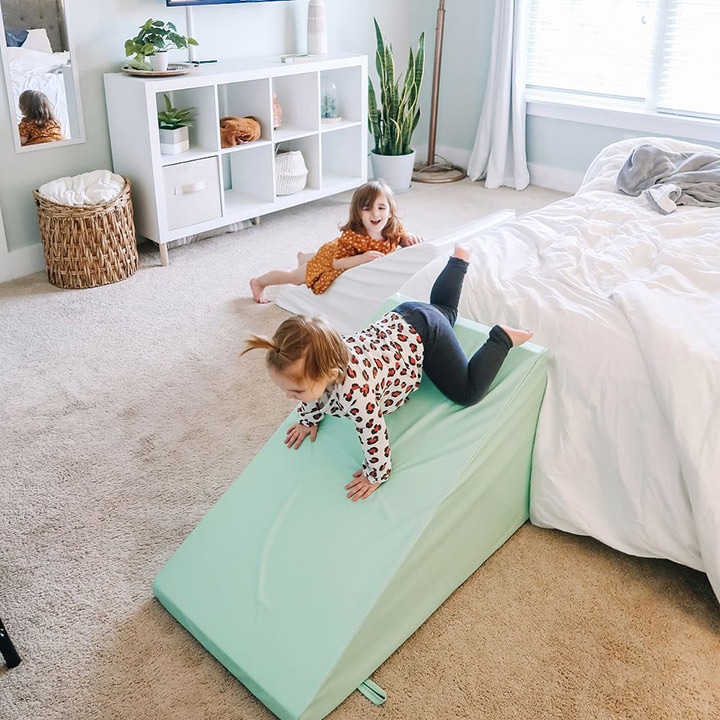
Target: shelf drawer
{"x": 192, "y": 192}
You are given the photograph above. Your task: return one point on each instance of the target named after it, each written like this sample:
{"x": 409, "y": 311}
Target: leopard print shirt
{"x": 385, "y": 366}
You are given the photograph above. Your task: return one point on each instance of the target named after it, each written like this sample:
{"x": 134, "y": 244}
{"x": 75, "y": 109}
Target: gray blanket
{"x": 668, "y": 179}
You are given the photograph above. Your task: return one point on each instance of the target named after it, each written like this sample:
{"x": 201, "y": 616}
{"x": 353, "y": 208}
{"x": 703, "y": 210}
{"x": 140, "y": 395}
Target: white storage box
{"x": 192, "y": 192}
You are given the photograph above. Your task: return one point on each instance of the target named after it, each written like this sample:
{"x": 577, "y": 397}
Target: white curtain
{"x": 499, "y": 152}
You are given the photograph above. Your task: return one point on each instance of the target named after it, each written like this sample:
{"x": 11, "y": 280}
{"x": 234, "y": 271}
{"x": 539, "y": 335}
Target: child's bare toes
{"x": 258, "y": 292}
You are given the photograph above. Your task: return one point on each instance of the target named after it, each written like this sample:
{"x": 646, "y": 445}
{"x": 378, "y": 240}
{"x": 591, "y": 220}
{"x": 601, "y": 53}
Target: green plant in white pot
{"x": 393, "y": 120}
{"x": 150, "y": 46}
{"x": 174, "y": 124}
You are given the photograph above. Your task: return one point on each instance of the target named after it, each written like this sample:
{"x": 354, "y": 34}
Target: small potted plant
{"x": 394, "y": 118}
{"x": 174, "y": 124}
{"x": 150, "y": 46}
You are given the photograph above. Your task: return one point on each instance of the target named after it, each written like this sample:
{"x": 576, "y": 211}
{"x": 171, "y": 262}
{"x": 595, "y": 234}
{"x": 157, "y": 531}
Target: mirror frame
{"x": 72, "y": 90}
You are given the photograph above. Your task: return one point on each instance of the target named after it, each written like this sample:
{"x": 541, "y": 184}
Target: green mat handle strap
{"x": 373, "y": 692}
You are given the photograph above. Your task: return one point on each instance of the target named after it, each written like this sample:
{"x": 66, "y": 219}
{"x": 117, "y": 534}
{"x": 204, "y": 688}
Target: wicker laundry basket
{"x": 88, "y": 245}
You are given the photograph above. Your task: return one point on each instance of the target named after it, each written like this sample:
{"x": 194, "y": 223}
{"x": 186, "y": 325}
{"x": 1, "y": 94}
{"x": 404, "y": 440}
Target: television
{"x": 179, "y": 3}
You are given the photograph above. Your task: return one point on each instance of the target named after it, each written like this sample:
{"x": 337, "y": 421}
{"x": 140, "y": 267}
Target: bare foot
{"x": 518, "y": 337}
{"x": 258, "y": 291}
{"x": 462, "y": 252}
{"x": 302, "y": 258}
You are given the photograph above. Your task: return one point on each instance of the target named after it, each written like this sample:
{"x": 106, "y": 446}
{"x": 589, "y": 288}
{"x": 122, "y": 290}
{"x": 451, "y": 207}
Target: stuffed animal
{"x": 238, "y": 130}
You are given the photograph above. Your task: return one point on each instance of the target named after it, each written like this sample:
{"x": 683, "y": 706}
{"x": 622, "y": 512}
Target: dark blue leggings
{"x": 445, "y": 363}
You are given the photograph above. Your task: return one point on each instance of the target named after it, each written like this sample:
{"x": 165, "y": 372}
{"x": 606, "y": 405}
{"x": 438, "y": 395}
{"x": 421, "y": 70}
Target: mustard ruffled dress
{"x": 49, "y": 132}
{"x": 320, "y": 272}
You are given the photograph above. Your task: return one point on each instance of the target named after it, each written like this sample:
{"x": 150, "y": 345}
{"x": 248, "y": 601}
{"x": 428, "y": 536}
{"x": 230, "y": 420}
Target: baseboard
{"x": 452, "y": 155}
{"x": 540, "y": 175}
{"x": 555, "y": 178}
{"x": 19, "y": 263}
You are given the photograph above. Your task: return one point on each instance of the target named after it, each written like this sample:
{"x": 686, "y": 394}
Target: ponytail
{"x": 312, "y": 340}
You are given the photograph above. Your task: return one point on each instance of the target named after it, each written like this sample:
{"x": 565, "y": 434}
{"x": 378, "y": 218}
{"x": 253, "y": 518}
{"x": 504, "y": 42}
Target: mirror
{"x": 37, "y": 59}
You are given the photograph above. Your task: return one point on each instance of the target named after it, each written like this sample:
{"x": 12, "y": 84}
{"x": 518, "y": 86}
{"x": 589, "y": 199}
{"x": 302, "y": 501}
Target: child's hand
{"x": 370, "y": 255}
{"x": 297, "y": 433}
{"x": 408, "y": 240}
{"x": 360, "y": 488}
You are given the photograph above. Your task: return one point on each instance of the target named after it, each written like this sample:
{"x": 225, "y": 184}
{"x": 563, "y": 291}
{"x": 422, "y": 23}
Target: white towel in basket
{"x": 90, "y": 188}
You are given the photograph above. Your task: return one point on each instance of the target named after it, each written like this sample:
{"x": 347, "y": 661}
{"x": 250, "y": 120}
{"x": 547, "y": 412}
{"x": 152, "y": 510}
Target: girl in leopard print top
{"x": 372, "y": 230}
{"x": 369, "y": 374}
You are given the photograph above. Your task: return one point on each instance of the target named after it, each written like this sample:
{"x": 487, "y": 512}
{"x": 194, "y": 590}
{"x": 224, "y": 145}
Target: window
{"x": 653, "y": 56}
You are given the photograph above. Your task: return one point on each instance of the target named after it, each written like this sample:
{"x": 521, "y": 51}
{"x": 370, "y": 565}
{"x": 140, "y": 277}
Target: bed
{"x": 628, "y": 302}
{"x": 37, "y": 54}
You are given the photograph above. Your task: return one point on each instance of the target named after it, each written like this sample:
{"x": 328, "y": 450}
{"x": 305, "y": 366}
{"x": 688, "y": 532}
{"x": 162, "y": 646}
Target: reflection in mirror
{"x": 40, "y": 76}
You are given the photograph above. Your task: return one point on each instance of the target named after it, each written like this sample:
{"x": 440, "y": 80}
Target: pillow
{"x": 37, "y": 39}
{"x": 15, "y": 38}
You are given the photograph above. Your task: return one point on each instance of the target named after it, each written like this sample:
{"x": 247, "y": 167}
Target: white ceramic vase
{"x": 316, "y": 28}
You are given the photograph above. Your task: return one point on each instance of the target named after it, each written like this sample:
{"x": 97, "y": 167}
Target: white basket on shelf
{"x": 290, "y": 172}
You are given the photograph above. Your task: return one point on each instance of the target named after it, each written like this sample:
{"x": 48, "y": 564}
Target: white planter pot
{"x": 159, "y": 60}
{"x": 174, "y": 141}
{"x": 395, "y": 170}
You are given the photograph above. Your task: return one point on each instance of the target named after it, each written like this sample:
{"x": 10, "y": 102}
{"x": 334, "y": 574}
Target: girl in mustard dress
{"x": 372, "y": 230}
{"x": 38, "y": 124}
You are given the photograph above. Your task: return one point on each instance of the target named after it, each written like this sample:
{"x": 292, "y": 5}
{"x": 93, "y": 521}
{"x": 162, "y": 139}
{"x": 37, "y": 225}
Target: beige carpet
{"x": 125, "y": 413}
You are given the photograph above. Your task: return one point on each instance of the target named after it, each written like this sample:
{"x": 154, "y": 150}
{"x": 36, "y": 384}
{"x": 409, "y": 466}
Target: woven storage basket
{"x": 290, "y": 172}
{"x": 88, "y": 245}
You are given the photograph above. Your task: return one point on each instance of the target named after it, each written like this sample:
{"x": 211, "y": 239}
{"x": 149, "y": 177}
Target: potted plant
{"x": 393, "y": 121}
{"x": 174, "y": 124}
{"x": 153, "y": 41}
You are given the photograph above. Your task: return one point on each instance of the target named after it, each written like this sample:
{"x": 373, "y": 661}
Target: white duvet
{"x": 628, "y": 303}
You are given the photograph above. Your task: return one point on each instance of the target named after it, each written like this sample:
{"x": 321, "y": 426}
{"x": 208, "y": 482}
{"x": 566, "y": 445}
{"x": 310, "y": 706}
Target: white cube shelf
{"x": 209, "y": 186}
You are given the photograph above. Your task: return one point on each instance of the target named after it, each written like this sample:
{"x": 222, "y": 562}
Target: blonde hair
{"x": 310, "y": 339}
{"x": 35, "y": 106}
{"x": 363, "y": 198}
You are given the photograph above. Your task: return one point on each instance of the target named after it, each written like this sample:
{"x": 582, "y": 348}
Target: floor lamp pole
{"x": 435, "y": 91}
{"x": 432, "y": 171}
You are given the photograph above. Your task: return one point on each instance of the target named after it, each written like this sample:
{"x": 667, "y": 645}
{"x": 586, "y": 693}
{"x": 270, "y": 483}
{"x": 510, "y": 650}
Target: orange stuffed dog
{"x": 238, "y": 130}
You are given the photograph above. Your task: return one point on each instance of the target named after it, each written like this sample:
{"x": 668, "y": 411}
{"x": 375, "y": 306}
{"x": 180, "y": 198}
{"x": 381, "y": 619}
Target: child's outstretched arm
{"x": 373, "y": 434}
{"x": 352, "y": 261}
{"x": 310, "y": 416}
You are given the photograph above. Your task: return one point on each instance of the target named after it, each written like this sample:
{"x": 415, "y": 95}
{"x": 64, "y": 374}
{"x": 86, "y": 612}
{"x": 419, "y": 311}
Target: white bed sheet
{"x": 356, "y": 295}
{"x": 628, "y": 303}
{"x": 34, "y": 70}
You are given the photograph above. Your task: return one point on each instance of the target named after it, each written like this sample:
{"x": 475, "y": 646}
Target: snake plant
{"x": 393, "y": 122}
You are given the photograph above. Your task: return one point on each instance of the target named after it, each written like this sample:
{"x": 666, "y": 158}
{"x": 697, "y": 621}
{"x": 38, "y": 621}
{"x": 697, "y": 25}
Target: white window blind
{"x": 654, "y": 55}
